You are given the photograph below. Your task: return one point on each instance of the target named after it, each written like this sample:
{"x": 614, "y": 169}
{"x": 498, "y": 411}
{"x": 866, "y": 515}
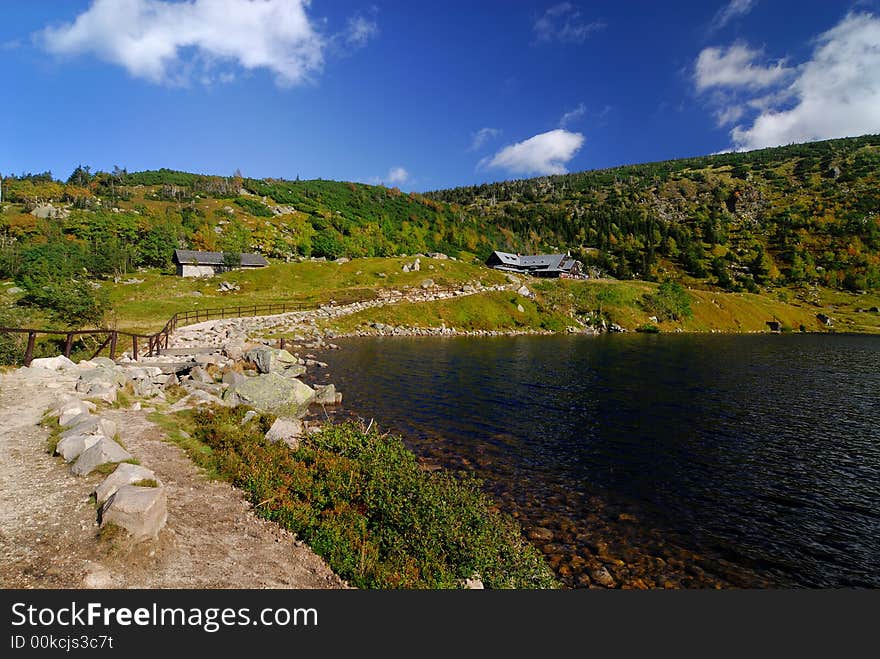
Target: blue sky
{"x": 425, "y": 95}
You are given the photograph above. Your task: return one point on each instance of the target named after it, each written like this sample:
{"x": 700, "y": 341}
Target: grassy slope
{"x": 712, "y": 311}
{"x": 146, "y": 306}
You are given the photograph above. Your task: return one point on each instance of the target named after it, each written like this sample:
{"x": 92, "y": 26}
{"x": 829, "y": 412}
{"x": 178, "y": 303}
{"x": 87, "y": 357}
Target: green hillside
{"x": 806, "y": 213}
{"x": 800, "y": 222}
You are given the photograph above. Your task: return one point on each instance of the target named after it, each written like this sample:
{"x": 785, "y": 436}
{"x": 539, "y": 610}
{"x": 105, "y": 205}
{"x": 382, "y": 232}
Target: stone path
{"x": 304, "y": 324}
{"x": 49, "y": 535}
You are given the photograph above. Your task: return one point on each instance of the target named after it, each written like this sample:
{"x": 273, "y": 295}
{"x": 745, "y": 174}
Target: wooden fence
{"x": 152, "y": 342}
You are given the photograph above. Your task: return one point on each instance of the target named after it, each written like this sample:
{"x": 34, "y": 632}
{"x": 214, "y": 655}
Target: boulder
{"x": 233, "y": 378}
{"x": 520, "y": 308}
{"x": 142, "y": 511}
{"x": 325, "y": 394}
{"x": 59, "y": 363}
{"x": 70, "y": 448}
{"x": 603, "y": 577}
{"x": 144, "y": 372}
{"x": 293, "y": 371}
{"x": 524, "y": 291}
{"x": 104, "y": 375}
{"x": 269, "y": 360}
{"x": 199, "y": 374}
{"x": 104, "y": 392}
{"x": 195, "y": 385}
{"x": 89, "y": 424}
{"x": 272, "y": 393}
{"x": 427, "y": 283}
{"x": 125, "y": 474}
{"x": 234, "y": 350}
{"x": 70, "y": 410}
{"x": 104, "y": 451}
{"x": 197, "y": 398}
{"x": 285, "y": 430}
{"x": 250, "y": 414}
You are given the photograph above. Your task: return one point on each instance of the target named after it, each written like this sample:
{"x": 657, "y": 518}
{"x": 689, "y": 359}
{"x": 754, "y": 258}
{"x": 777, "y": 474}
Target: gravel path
{"x": 49, "y": 535}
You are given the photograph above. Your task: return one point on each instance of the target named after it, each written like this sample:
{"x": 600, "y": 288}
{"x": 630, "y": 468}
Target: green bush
{"x": 362, "y": 502}
{"x": 669, "y": 302}
{"x": 254, "y": 207}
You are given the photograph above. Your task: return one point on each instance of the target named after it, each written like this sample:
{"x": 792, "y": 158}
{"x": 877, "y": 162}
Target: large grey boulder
{"x": 89, "y": 424}
{"x": 125, "y": 474}
{"x": 70, "y": 448}
{"x": 104, "y": 451}
{"x": 142, "y": 511}
{"x": 71, "y": 409}
{"x": 270, "y": 360}
{"x": 285, "y": 430}
{"x": 102, "y": 375}
{"x": 59, "y": 363}
{"x": 272, "y": 393}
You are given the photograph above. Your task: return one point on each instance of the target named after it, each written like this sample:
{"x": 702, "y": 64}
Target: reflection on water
{"x": 651, "y": 461}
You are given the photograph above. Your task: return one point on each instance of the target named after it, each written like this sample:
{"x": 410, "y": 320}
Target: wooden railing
{"x": 153, "y": 342}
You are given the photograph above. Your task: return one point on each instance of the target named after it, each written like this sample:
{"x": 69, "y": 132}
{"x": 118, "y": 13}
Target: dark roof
{"x": 192, "y": 257}
{"x": 547, "y": 262}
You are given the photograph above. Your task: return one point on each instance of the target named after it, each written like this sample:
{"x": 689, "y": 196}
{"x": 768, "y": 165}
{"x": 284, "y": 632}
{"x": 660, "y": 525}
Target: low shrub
{"x": 360, "y": 500}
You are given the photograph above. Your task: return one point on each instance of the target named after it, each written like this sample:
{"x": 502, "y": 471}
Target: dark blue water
{"x": 677, "y": 461}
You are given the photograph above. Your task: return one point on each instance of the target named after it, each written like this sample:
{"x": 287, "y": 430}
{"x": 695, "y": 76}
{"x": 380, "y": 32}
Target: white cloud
{"x": 359, "y": 31}
{"x": 836, "y": 93}
{"x": 564, "y": 23}
{"x": 397, "y": 176}
{"x": 573, "y": 115}
{"x": 546, "y": 153}
{"x": 172, "y": 42}
{"x": 482, "y": 136}
{"x": 732, "y": 10}
{"x": 729, "y": 115}
{"x": 735, "y": 67}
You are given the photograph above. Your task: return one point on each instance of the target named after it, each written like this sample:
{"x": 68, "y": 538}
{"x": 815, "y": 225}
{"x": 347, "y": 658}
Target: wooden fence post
{"x": 29, "y": 353}
{"x": 68, "y": 344}
{"x": 114, "y": 335}
{"x": 134, "y": 347}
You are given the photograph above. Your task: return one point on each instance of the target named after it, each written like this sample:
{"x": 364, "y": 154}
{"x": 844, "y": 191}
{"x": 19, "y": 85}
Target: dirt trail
{"x": 49, "y": 535}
